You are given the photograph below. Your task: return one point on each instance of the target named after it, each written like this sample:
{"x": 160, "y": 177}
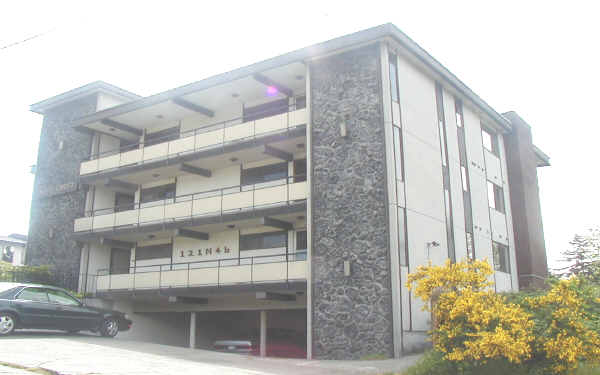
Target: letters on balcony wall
{"x": 204, "y": 252}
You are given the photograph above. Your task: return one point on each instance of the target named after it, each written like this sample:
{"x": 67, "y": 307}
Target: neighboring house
{"x": 297, "y": 192}
{"x": 13, "y": 249}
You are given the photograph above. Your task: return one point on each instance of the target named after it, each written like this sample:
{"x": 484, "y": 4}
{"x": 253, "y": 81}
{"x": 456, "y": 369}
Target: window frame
{"x": 493, "y": 140}
{"x": 263, "y": 234}
{"x": 162, "y": 136}
{"x": 167, "y": 248}
{"x": 496, "y": 197}
{"x": 70, "y": 297}
{"x": 394, "y": 82}
{"x": 501, "y": 263}
{"x": 264, "y": 110}
{"x": 170, "y": 192}
{"x": 297, "y": 164}
{"x": 282, "y": 168}
{"x": 18, "y": 296}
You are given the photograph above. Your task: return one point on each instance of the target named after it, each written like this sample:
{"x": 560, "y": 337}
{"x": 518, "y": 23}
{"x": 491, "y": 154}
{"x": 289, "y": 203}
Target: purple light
{"x": 272, "y": 91}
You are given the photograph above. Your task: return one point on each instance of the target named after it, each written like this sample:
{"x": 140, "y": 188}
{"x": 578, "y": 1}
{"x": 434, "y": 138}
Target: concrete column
{"x": 263, "y": 333}
{"x": 308, "y": 219}
{"x": 192, "y": 330}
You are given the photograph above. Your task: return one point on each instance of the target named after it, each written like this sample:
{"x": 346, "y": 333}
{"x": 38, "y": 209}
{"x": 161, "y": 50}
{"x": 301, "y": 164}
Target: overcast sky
{"x": 539, "y": 58}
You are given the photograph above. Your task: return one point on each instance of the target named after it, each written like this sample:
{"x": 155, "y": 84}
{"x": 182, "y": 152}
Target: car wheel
{"x": 109, "y": 328}
{"x": 8, "y": 323}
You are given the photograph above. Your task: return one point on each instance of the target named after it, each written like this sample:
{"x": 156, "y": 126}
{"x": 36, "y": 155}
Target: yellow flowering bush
{"x": 565, "y": 336}
{"x": 551, "y": 331}
{"x": 471, "y": 322}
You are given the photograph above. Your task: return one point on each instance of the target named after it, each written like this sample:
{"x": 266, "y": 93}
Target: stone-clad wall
{"x": 57, "y": 197}
{"x": 352, "y": 316}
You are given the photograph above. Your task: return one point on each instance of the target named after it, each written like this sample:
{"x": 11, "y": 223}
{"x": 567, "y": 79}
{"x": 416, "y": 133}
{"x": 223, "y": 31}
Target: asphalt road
{"x": 84, "y": 354}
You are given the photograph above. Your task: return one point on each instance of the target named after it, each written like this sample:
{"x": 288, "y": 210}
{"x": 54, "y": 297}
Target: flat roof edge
{"x": 91, "y": 88}
{"x": 330, "y": 46}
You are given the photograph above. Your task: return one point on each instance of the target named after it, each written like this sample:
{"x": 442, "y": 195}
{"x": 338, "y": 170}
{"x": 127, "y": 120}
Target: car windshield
{"x": 7, "y": 286}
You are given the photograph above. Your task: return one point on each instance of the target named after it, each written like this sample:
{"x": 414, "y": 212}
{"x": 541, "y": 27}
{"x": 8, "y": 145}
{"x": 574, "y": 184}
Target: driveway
{"x": 83, "y": 354}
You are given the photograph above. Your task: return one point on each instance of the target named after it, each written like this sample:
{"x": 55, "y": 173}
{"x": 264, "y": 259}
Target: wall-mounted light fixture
{"x": 347, "y": 269}
{"x": 343, "y": 130}
{"x": 429, "y": 245}
{"x": 343, "y": 123}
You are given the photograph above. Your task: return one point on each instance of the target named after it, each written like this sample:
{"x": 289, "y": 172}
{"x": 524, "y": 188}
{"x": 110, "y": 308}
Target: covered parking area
{"x": 271, "y": 321}
{"x": 273, "y": 333}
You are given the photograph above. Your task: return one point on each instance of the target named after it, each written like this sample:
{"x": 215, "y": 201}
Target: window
{"x": 470, "y": 246}
{"x": 154, "y": 252}
{"x": 402, "y": 246}
{"x": 263, "y": 174}
{"x": 439, "y": 99}
{"x": 124, "y": 202}
{"x": 128, "y": 145}
{"x": 119, "y": 261}
{"x": 394, "y": 78}
{"x": 266, "y": 110}
{"x": 495, "y": 197}
{"x": 463, "y": 176}
{"x": 158, "y": 193}
{"x": 61, "y": 298}
{"x": 443, "y": 145}
{"x": 490, "y": 141}
{"x": 301, "y": 240}
{"x": 301, "y": 245}
{"x": 398, "y": 153}
{"x": 269, "y": 240}
{"x": 33, "y": 294}
{"x": 299, "y": 170}
{"x": 458, "y": 112}
{"x": 300, "y": 102}
{"x": 161, "y": 136}
{"x": 501, "y": 261}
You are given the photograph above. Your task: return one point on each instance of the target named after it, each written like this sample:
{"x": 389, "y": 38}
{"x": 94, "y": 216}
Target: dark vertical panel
{"x": 462, "y": 154}
{"x": 439, "y": 98}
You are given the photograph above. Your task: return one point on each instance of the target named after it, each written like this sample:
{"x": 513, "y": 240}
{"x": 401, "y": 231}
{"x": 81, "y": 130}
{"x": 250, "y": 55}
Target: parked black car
{"x": 48, "y": 307}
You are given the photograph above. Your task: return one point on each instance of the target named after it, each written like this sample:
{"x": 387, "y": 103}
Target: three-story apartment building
{"x": 296, "y": 194}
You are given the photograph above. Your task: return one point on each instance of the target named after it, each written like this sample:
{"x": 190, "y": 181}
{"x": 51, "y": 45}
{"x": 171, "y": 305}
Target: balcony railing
{"x": 279, "y": 268}
{"x": 185, "y": 207}
{"x": 207, "y": 137}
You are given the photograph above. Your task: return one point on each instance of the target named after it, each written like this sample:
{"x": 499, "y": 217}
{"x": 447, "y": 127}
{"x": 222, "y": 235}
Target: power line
{"x": 25, "y": 40}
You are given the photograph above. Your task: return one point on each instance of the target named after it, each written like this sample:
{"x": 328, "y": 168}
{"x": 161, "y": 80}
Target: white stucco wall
{"x": 424, "y": 186}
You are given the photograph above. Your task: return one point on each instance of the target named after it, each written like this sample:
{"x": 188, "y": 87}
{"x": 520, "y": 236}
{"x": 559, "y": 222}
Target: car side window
{"x": 33, "y": 294}
{"x": 62, "y": 298}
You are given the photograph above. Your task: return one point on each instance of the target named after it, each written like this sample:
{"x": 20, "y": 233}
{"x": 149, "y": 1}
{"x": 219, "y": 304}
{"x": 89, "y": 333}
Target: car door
{"x": 70, "y": 314}
{"x": 34, "y": 309}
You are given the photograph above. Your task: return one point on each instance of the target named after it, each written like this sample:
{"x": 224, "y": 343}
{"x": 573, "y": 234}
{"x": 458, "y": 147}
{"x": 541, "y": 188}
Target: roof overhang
{"x": 542, "y": 160}
{"x": 380, "y": 33}
{"x": 82, "y": 92}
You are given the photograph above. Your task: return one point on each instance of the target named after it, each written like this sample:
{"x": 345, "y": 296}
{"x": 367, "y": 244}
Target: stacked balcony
{"x": 176, "y": 144}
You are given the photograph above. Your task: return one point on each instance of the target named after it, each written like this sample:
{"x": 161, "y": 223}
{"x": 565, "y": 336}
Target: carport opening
{"x": 239, "y": 332}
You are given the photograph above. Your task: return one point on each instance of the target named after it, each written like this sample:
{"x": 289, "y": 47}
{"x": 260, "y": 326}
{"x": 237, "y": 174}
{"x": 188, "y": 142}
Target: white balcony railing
{"x": 216, "y": 202}
{"x": 209, "y": 273}
{"x": 204, "y": 138}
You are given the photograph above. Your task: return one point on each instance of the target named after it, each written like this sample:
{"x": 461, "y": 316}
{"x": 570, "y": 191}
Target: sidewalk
{"x": 80, "y": 354}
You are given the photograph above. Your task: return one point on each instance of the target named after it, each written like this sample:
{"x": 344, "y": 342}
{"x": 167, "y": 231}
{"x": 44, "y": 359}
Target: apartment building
{"x": 293, "y": 194}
